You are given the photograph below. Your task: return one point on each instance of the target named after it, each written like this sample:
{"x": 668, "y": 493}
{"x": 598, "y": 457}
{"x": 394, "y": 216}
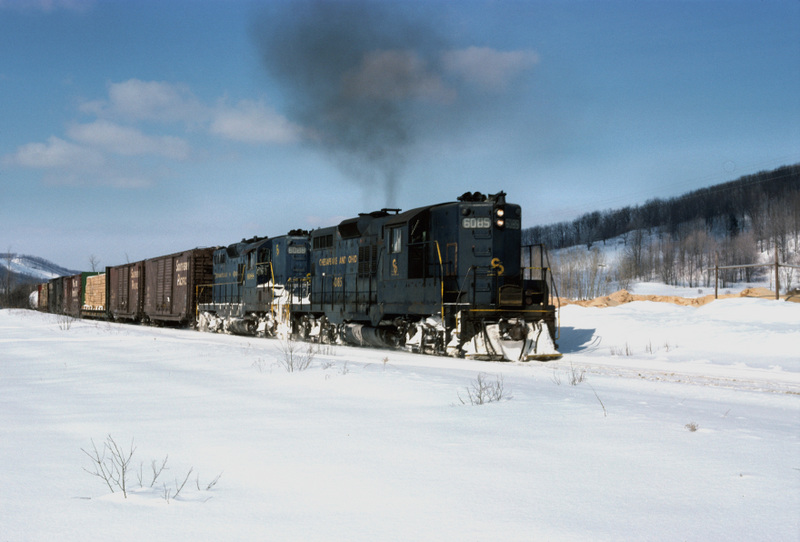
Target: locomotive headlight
{"x": 499, "y": 220}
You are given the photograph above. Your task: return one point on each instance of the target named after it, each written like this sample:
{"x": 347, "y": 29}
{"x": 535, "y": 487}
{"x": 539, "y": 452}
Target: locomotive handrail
{"x": 461, "y": 288}
{"x": 555, "y": 292}
{"x": 272, "y": 280}
{"x": 441, "y": 280}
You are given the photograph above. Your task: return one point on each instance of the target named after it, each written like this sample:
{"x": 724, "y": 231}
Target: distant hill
{"x": 680, "y": 241}
{"x": 30, "y": 269}
{"x": 764, "y": 204}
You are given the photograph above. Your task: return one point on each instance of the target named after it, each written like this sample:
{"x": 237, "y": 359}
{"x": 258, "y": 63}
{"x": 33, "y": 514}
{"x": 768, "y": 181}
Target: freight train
{"x": 451, "y": 278}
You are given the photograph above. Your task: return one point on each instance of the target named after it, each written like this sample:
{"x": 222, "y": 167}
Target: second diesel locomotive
{"x": 450, "y": 278}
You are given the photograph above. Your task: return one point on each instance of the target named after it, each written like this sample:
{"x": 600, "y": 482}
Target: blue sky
{"x": 135, "y": 129}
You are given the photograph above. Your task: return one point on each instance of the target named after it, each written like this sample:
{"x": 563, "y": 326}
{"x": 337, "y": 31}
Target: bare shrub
{"x": 691, "y": 426}
{"x": 295, "y": 355}
{"x": 605, "y": 412}
{"x": 211, "y": 484}
{"x": 157, "y": 470}
{"x": 620, "y": 350}
{"x": 576, "y": 376}
{"x": 64, "y": 321}
{"x": 483, "y": 391}
{"x": 111, "y": 465}
{"x": 179, "y": 488}
{"x": 168, "y": 494}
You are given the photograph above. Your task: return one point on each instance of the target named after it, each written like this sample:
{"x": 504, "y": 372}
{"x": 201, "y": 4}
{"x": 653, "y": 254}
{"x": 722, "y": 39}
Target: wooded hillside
{"x": 678, "y": 241}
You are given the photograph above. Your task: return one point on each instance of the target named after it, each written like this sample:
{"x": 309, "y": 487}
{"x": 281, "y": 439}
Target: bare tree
{"x": 94, "y": 262}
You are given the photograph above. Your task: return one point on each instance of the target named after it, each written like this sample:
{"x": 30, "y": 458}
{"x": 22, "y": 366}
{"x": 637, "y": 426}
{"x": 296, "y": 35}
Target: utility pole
{"x": 777, "y": 276}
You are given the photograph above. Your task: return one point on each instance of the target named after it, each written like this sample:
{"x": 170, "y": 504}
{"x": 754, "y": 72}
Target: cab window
{"x": 395, "y": 240}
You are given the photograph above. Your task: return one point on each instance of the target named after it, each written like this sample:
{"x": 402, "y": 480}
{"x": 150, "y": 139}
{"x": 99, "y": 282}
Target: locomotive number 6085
{"x": 476, "y": 223}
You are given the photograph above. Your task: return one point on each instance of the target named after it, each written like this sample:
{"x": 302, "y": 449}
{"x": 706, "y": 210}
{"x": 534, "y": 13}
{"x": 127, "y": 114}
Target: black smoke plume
{"x": 353, "y": 74}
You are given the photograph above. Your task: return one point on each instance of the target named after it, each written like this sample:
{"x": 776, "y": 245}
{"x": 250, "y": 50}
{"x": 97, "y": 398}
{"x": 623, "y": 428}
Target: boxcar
{"x": 125, "y": 291}
{"x": 171, "y": 285}
{"x": 75, "y": 293}
{"x": 55, "y": 295}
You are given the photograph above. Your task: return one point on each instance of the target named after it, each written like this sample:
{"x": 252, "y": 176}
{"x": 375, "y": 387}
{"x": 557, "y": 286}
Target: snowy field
{"x": 683, "y": 423}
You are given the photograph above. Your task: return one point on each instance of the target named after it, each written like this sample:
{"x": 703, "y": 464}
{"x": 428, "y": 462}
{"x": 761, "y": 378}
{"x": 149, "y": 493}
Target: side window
{"x": 396, "y": 240}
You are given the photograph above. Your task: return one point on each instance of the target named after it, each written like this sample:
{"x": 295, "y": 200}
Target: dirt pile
{"x": 623, "y": 296}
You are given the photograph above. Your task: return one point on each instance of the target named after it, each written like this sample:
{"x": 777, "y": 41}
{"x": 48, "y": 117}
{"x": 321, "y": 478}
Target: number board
{"x": 472, "y": 222}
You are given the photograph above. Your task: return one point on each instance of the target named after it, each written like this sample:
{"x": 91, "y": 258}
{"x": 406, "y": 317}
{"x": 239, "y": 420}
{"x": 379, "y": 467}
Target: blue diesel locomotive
{"x": 450, "y": 278}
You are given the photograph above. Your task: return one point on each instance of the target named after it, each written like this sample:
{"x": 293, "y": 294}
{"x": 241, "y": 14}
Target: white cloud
{"x": 253, "y": 122}
{"x": 113, "y": 180}
{"x": 136, "y": 100}
{"x": 148, "y": 100}
{"x": 46, "y": 6}
{"x": 56, "y": 153}
{"x": 128, "y": 182}
{"x": 396, "y": 75}
{"x": 115, "y": 151}
{"x": 128, "y": 141}
{"x": 487, "y": 68}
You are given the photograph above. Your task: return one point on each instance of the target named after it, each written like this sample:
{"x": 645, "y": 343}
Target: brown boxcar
{"x": 171, "y": 283}
{"x": 125, "y": 291}
{"x": 75, "y": 293}
{"x": 55, "y": 295}
{"x": 71, "y": 302}
{"x": 94, "y": 297}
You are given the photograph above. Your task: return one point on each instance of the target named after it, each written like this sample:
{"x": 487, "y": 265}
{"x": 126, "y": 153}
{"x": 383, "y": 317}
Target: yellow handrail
{"x": 441, "y": 279}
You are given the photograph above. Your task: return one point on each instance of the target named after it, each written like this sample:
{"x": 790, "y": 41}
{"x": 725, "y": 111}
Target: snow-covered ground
{"x": 685, "y": 426}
